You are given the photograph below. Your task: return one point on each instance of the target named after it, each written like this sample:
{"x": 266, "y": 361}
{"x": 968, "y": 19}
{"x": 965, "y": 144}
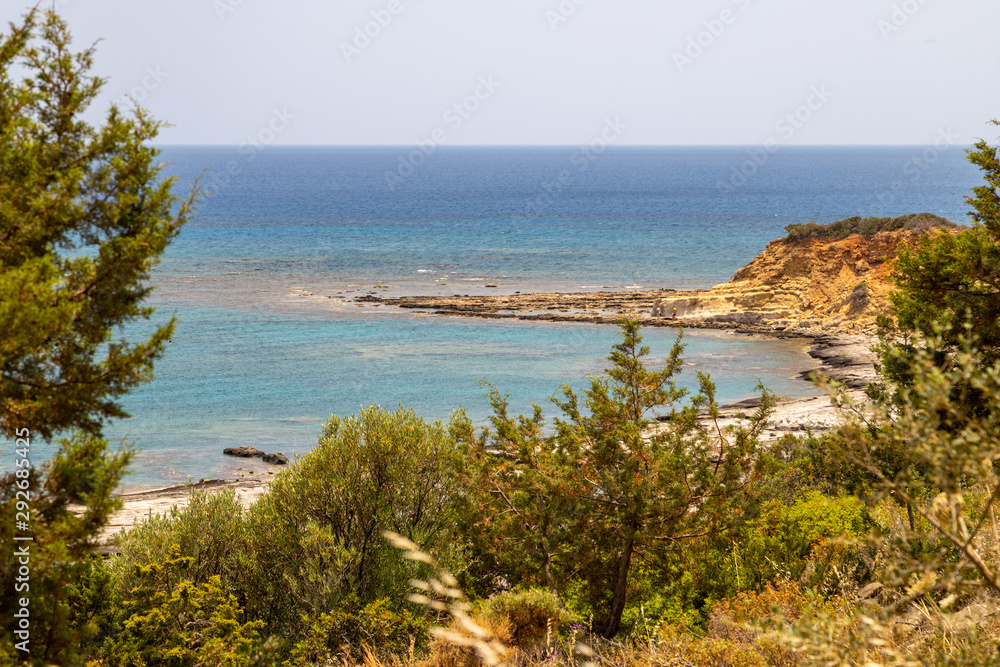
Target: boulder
{"x": 245, "y": 452}
{"x": 278, "y": 458}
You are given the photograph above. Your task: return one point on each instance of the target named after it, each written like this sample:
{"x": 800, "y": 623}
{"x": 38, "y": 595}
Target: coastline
{"x": 843, "y": 357}
{"x": 605, "y": 307}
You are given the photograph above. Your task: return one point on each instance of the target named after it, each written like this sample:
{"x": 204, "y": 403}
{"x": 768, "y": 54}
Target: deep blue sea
{"x": 268, "y": 344}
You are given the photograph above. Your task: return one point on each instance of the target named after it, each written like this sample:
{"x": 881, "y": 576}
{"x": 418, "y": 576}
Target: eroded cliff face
{"x": 837, "y": 286}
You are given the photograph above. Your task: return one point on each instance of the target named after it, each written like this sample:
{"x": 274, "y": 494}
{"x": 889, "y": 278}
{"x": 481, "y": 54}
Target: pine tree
{"x": 948, "y": 277}
{"x": 84, "y": 217}
{"x": 632, "y": 473}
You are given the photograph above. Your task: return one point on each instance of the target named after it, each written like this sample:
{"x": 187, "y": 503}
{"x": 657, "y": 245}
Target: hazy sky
{"x": 548, "y": 71}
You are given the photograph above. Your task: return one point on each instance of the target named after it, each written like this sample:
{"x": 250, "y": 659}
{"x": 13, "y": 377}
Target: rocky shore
{"x": 806, "y": 287}
{"x": 602, "y": 308}
{"x": 846, "y": 359}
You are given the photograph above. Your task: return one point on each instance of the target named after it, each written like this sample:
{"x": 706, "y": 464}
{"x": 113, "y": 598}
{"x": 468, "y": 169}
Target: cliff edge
{"x": 816, "y": 278}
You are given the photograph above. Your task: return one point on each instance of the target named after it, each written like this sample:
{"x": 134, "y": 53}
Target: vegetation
{"x": 947, "y": 280}
{"x": 604, "y": 489}
{"x": 633, "y": 529}
{"x": 841, "y": 229}
{"x": 84, "y": 216}
{"x": 70, "y": 591}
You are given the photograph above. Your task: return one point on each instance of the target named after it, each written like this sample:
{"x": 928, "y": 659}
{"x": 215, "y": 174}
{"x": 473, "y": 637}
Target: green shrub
{"x": 316, "y": 536}
{"x": 532, "y": 614}
{"x": 804, "y": 540}
{"x": 377, "y": 628}
{"x": 210, "y": 530}
{"x": 69, "y": 591}
{"x": 172, "y": 621}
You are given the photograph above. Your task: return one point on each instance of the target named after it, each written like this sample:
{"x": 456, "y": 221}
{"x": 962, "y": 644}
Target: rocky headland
{"x": 796, "y": 286}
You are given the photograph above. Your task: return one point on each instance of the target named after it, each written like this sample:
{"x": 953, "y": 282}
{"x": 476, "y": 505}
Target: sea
{"x": 269, "y": 342}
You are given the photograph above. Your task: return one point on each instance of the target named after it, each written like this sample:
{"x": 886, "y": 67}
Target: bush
{"x": 70, "y": 594}
{"x": 376, "y": 628}
{"x": 865, "y": 226}
{"x": 210, "y": 530}
{"x": 316, "y": 536}
{"x": 531, "y": 615}
{"x": 804, "y": 541}
{"x": 173, "y": 621}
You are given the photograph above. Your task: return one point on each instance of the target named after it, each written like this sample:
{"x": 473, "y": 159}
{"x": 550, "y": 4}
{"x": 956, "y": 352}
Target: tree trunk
{"x": 613, "y": 621}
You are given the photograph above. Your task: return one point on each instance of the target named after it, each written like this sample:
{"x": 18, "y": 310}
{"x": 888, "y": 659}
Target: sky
{"x": 548, "y": 72}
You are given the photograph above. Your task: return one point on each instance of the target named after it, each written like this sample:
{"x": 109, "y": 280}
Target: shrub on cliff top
{"x": 865, "y": 226}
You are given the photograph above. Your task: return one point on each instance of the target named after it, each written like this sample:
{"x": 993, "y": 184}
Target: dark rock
{"x": 278, "y": 458}
{"x": 245, "y": 452}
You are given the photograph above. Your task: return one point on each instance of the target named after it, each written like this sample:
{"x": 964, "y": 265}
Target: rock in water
{"x": 245, "y": 452}
{"x": 278, "y": 458}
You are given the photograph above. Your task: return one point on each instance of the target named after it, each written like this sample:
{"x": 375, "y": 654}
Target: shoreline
{"x": 602, "y": 307}
{"x": 845, "y": 358}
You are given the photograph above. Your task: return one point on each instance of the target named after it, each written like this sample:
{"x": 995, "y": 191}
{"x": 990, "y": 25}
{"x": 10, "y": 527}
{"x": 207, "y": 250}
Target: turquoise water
{"x": 268, "y": 346}
{"x": 270, "y": 381}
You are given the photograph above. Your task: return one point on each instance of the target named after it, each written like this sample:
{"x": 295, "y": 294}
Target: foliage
{"x": 608, "y": 486}
{"x": 376, "y": 629}
{"x": 69, "y": 591}
{"x": 308, "y": 560}
{"x": 786, "y": 527}
{"x": 210, "y": 530}
{"x": 958, "y": 451}
{"x": 835, "y": 231}
{"x": 531, "y": 615}
{"x": 929, "y": 445}
{"x": 467, "y": 642}
{"x": 84, "y": 216}
{"x": 946, "y": 278}
{"x": 807, "y": 541}
{"x": 315, "y": 537}
{"x": 170, "y": 620}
